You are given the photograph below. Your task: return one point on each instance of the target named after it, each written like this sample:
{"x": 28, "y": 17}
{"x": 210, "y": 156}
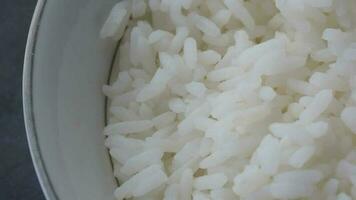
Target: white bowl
{"x": 66, "y": 64}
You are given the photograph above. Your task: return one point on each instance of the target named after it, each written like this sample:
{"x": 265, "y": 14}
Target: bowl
{"x": 66, "y": 64}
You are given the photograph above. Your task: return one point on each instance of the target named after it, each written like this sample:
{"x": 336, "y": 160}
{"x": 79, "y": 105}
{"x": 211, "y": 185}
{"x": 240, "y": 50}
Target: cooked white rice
{"x": 233, "y": 99}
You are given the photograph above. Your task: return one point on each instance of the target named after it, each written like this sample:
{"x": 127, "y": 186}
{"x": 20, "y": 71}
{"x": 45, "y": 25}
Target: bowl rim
{"x": 27, "y": 95}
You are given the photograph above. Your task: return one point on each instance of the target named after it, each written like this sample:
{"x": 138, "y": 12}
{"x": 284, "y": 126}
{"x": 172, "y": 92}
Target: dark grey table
{"x": 18, "y": 180}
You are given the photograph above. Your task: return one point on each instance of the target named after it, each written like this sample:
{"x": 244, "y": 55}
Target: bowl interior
{"x": 70, "y": 65}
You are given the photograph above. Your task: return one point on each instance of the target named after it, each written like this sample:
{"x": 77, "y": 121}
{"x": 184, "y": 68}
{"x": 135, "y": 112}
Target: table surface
{"x": 18, "y": 180}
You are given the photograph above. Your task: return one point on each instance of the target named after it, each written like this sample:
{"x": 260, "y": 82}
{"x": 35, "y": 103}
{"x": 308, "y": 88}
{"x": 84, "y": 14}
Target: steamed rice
{"x": 233, "y": 99}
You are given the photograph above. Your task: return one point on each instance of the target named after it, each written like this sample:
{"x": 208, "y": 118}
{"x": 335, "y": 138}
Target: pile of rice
{"x": 233, "y": 99}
